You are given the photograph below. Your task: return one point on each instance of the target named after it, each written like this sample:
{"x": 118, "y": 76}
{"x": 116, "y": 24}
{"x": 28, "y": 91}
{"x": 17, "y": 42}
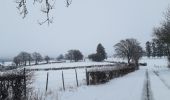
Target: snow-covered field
{"x": 55, "y": 76}
{"x": 67, "y": 64}
{"x": 55, "y": 79}
{"x": 129, "y": 87}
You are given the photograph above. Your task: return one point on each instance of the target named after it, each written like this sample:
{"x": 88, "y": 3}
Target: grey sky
{"x": 81, "y": 26}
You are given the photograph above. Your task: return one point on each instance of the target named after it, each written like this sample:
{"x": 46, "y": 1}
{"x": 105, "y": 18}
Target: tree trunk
{"x": 29, "y": 62}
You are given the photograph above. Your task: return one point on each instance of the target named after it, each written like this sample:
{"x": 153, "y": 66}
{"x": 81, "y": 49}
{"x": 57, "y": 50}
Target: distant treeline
{"x": 25, "y": 58}
{"x": 156, "y": 48}
{"x": 129, "y": 49}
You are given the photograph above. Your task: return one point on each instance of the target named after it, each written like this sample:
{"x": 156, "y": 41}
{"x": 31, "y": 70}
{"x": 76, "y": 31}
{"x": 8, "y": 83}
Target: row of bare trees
{"x": 129, "y": 49}
{"x": 25, "y": 58}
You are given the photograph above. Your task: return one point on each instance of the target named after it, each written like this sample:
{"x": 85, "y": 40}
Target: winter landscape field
{"x": 132, "y": 86}
{"x": 85, "y": 50}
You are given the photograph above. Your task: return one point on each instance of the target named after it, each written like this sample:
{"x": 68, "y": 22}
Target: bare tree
{"x": 37, "y": 57}
{"x": 30, "y": 59}
{"x": 74, "y": 55}
{"x": 137, "y": 54}
{"x": 22, "y": 58}
{"x": 17, "y": 60}
{"x": 47, "y": 58}
{"x": 129, "y": 49}
{"x": 60, "y": 57}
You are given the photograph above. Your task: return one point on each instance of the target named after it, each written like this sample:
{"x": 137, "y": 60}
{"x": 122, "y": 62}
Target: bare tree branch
{"x": 39, "y": 1}
{"x": 68, "y": 3}
{"x": 46, "y": 10}
{"x": 47, "y": 6}
{"x": 22, "y": 7}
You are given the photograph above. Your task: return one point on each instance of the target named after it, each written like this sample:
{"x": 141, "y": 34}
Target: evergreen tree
{"x": 101, "y": 52}
{"x": 159, "y": 48}
{"x": 153, "y": 49}
{"x": 165, "y": 50}
{"x": 148, "y": 49}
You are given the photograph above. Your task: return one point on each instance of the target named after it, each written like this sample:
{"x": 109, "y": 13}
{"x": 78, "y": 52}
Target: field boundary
{"x": 66, "y": 68}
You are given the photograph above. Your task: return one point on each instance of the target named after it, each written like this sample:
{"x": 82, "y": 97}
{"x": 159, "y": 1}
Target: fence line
{"x": 63, "y": 80}
{"x": 66, "y": 68}
{"x": 88, "y": 76}
{"x": 47, "y": 82}
{"x": 76, "y": 78}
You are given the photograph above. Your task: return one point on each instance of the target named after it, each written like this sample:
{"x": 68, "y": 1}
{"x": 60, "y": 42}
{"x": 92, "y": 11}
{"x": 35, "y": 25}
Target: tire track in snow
{"x": 162, "y": 80}
{"x": 147, "y": 94}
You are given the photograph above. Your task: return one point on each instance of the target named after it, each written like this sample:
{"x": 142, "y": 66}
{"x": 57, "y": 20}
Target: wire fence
{"x": 64, "y": 79}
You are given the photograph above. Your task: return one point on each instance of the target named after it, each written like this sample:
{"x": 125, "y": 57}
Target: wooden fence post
{"x": 63, "y": 80}
{"x": 25, "y": 87}
{"x": 87, "y": 77}
{"x": 76, "y": 77}
{"x": 47, "y": 82}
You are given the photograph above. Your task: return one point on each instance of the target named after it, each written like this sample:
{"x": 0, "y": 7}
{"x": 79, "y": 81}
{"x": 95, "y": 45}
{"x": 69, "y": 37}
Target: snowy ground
{"x": 129, "y": 87}
{"x": 67, "y": 64}
{"x": 55, "y": 79}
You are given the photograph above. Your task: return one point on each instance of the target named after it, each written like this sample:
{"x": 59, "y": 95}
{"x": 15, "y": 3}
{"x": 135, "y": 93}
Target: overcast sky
{"x": 81, "y": 26}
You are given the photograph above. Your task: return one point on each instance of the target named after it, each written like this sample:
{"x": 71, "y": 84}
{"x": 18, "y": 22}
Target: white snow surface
{"x": 159, "y": 89}
{"x": 67, "y": 64}
{"x": 128, "y": 87}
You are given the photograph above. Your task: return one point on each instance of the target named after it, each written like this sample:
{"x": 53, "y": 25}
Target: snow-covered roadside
{"x": 154, "y": 63}
{"x": 158, "y": 88}
{"x": 159, "y": 77}
{"x": 164, "y": 75}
